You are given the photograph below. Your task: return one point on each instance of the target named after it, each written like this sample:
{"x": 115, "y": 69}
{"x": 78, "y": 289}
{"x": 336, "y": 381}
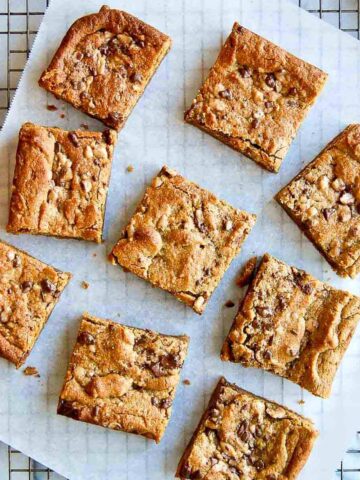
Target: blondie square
{"x": 123, "y": 378}
{"x": 255, "y": 97}
{"x": 324, "y": 201}
{"x": 293, "y": 325}
{"x": 61, "y": 182}
{"x": 182, "y": 238}
{"x": 29, "y": 290}
{"x": 104, "y": 64}
{"x": 242, "y": 436}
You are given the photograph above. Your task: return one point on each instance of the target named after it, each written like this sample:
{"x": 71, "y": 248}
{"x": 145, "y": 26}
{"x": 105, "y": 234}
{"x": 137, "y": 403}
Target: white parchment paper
{"x": 155, "y": 134}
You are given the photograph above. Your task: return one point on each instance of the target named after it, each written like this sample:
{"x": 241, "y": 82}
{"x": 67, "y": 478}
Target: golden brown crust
{"x": 242, "y": 435}
{"x": 60, "y": 182}
{"x": 104, "y": 63}
{"x": 123, "y": 378}
{"x": 255, "y": 97}
{"x": 246, "y": 272}
{"x": 182, "y": 238}
{"x": 29, "y": 290}
{"x": 324, "y": 201}
{"x": 293, "y": 325}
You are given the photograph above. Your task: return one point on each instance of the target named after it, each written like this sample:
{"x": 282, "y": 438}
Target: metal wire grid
{"x": 345, "y": 14}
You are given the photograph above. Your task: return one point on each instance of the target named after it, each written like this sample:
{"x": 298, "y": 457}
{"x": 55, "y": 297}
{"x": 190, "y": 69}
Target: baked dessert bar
{"x": 255, "y": 97}
{"x": 293, "y": 325}
{"x": 104, "y": 64}
{"x": 123, "y": 378}
{"x": 29, "y": 290}
{"x": 61, "y": 182}
{"x": 242, "y": 436}
{"x": 324, "y": 201}
{"x": 182, "y": 238}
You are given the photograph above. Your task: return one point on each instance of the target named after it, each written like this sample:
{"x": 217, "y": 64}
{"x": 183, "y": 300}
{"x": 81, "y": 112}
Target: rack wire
{"x": 19, "y": 20}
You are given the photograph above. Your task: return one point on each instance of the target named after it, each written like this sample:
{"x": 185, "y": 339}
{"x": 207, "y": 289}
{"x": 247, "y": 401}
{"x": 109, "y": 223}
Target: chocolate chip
{"x": 155, "y": 401}
{"x": 259, "y": 465}
{"x": 113, "y": 118}
{"x": 243, "y": 431}
{"x": 292, "y": 91}
{"x": 85, "y": 338}
{"x": 47, "y": 286}
{"x": 226, "y": 94}
{"x": 66, "y": 408}
{"x": 16, "y": 262}
{"x": 139, "y": 43}
{"x": 270, "y": 80}
{"x": 255, "y": 323}
{"x": 229, "y": 304}
{"x": 267, "y": 355}
{"x": 255, "y": 123}
{"x": 74, "y": 139}
{"x": 79, "y": 56}
{"x": 57, "y": 147}
{"x": 306, "y": 288}
{"x": 166, "y": 403}
{"x": 170, "y": 361}
{"x": 136, "y": 77}
{"x": 269, "y": 104}
{"x": 107, "y": 136}
{"x": 245, "y": 71}
{"x": 327, "y": 212}
{"x": 26, "y": 286}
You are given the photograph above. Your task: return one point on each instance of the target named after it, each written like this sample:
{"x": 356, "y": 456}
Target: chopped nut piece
{"x": 51, "y": 108}
{"x": 129, "y": 168}
{"x": 85, "y": 285}
{"x": 111, "y": 380}
{"x": 246, "y": 272}
{"x": 186, "y": 382}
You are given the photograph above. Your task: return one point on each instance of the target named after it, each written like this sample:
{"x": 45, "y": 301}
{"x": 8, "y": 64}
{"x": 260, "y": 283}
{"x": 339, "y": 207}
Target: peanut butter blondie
{"x": 123, "y": 378}
{"x": 104, "y": 64}
{"x": 242, "y": 436}
{"x": 182, "y": 238}
{"x": 29, "y": 290}
{"x": 324, "y": 201}
{"x": 293, "y": 325}
{"x": 255, "y": 97}
{"x": 61, "y": 182}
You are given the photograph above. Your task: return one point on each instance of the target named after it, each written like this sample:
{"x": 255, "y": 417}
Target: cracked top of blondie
{"x": 104, "y": 63}
{"x": 122, "y": 377}
{"x": 61, "y": 182}
{"x": 182, "y": 238}
{"x": 255, "y": 97}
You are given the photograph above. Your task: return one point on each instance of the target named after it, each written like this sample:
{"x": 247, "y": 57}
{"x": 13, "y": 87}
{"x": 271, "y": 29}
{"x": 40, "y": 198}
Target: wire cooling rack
{"x": 19, "y": 22}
